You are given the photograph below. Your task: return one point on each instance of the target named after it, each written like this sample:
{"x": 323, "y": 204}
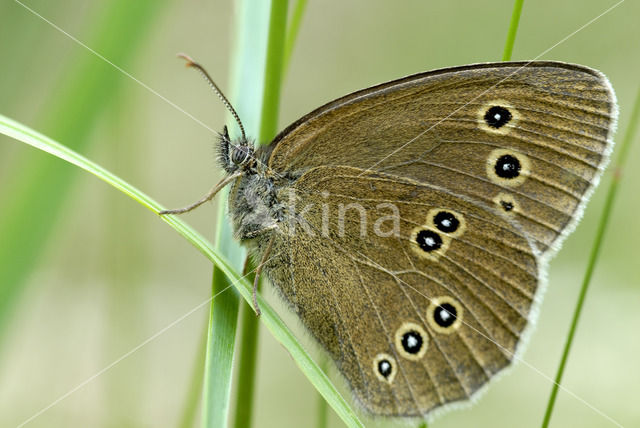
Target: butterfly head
{"x": 236, "y": 155}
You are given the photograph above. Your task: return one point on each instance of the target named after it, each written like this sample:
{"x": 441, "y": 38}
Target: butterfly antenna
{"x": 191, "y": 63}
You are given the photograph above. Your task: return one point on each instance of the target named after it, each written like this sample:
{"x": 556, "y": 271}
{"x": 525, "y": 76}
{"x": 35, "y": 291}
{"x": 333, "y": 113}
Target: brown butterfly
{"x": 408, "y": 225}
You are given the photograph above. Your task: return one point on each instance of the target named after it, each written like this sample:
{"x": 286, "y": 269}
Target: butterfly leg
{"x": 214, "y": 190}
{"x": 263, "y": 261}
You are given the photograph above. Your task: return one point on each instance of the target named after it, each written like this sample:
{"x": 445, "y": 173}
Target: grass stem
{"x": 513, "y": 29}
{"x": 268, "y": 125}
{"x": 595, "y": 251}
{"x": 248, "y": 349}
{"x": 292, "y": 32}
{"x": 273, "y": 70}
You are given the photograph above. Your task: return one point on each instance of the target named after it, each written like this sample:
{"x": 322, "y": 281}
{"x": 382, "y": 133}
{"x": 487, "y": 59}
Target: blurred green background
{"x": 88, "y": 275}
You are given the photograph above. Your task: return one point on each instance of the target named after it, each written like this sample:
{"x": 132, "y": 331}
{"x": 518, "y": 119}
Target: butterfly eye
{"x": 240, "y": 154}
{"x": 411, "y": 341}
{"x": 497, "y": 116}
{"x": 384, "y": 366}
{"x": 444, "y": 314}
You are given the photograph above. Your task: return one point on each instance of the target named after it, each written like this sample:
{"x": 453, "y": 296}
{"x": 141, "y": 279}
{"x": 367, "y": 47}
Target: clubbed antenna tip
{"x": 191, "y": 63}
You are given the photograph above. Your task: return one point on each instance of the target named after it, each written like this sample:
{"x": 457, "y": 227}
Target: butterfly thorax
{"x": 254, "y": 206}
{"x": 253, "y": 202}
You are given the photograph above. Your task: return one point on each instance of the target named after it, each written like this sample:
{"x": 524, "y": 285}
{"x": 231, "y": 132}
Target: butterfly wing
{"x": 488, "y": 167}
{"x": 528, "y": 138}
{"x": 417, "y": 311}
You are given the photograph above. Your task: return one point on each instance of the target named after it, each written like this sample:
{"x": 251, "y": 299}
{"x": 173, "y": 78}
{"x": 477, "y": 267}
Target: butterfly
{"x": 408, "y": 225}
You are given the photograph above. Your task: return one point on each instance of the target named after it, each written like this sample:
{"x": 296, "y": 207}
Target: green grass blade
{"x": 247, "y": 365}
{"x": 221, "y": 335}
{"x": 40, "y": 185}
{"x": 275, "y": 62}
{"x": 273, "y": 70}
{"x": 595, "y": 252}
{"x": 247, "y": 65}
{"x": 292, "y": 32}
{"x": 269, "y": 317}
{"x": 322, "y": 411}
{"x": 270, "y": 104}
{"x": 513, "y": 29}
{"x": 223, "y": 321}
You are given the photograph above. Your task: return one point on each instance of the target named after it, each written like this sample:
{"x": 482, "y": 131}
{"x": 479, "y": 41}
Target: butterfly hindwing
{"x": 368, "y": 298}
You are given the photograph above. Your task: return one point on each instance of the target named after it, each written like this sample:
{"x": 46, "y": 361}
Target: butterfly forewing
{"x": 458, "y": 128}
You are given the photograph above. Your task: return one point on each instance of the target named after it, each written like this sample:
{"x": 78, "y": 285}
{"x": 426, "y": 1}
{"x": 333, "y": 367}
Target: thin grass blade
{"x": 595, "y": 252}
{"x": 277, "y": 17}
{"x": 513, "y": 30}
